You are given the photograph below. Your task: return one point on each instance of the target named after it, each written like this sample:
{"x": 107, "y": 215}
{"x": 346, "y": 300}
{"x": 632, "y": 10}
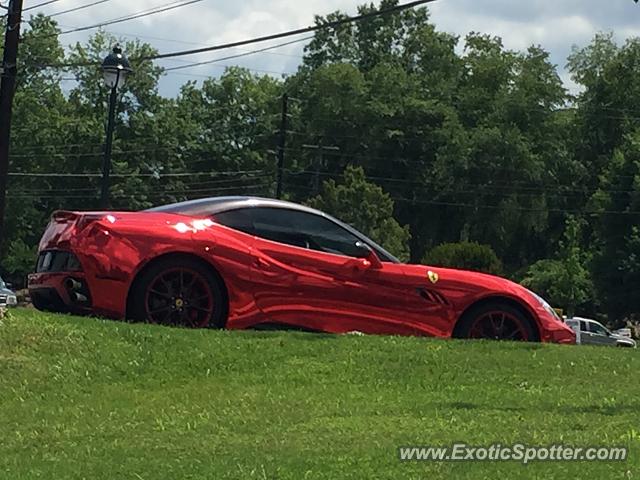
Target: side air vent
{"x": 432, "y": 296}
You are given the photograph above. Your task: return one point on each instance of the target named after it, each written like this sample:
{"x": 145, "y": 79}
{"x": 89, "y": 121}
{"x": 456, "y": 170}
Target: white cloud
{"x": 556, "y": 26}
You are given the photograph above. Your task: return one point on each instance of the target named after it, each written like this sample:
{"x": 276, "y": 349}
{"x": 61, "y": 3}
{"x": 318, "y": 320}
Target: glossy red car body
{"x": 267, "y": 281}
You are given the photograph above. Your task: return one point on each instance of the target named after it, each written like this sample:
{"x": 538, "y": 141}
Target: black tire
{"x": 498, "y": 321}
{"x": 148, "y": 302}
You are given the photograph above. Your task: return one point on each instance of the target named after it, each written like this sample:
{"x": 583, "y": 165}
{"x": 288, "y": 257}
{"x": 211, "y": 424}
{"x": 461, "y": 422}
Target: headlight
{"x": 12, "y": 300}
{"x": 544, "y": 304}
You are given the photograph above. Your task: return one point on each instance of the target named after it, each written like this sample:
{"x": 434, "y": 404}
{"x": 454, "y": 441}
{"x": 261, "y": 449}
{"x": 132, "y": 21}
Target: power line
{"x": 306, "y": 189}
{"x": 513, "y": 187}
{"x": 225, "y": 65}
{"x": 191, "y": 185}
{"x": 81, "y": 7}
{"x": 95, "y": 154}
{"x": 76, "y": 145}
{"x": 482, "y": 206}
{"x": 238, "y": 55}
{"x": 172, "y": 40}
{"x": 288, "y": 33}
{"x": 43, "y": 4}
{"x": 133, "y": 16}
{"x": 126, "y": 175}
{"x": 154, "y": 194}
{"x": 299, "y": 31}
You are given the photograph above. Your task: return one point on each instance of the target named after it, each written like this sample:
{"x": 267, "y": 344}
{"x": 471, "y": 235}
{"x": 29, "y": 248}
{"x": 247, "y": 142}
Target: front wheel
{"x": 179, "y": 292}
{"x": 496, "y": 321}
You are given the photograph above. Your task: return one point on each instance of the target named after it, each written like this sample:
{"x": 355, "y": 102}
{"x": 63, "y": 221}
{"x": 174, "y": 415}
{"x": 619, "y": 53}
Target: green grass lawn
{"x": 85, "y": 398}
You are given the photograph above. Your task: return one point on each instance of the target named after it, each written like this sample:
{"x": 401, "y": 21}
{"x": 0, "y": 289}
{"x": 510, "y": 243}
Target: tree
{"x": 565, "y": 280}
{"x": 39, "y": 113}
{"x": 465, "y": 255}
{"x": 607, "y": 144}
{"x": 136, "y": 124}
{"x": 366, "y": 207}
{"x": 469, "y": 146}
{"x": 616, "y": 266}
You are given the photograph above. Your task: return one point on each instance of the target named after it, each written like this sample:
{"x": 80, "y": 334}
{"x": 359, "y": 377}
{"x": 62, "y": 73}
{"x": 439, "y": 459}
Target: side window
{"x": 236, "y": 219}
{"x": 304, "y": 230}
{"x": 598, "y": 329}
{"x": 583, "y": 326}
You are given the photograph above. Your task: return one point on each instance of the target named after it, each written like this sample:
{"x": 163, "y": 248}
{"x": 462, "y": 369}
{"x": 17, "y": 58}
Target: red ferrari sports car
{"x": 241, "y": 262}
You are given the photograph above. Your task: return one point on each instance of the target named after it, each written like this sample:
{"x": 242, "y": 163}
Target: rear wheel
{"x": 179, "y": 292}
{"x": 496, "y": 321}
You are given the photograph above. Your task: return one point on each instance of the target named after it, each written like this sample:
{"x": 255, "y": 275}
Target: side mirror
{"x": 365, "y": 251}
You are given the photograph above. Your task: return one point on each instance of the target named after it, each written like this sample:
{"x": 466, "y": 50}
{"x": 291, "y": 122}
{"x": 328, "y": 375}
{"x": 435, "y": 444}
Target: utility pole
{"x": 8, "y": 72}
{"x": 282, "y": 145}
{"x": 318, "y": 161}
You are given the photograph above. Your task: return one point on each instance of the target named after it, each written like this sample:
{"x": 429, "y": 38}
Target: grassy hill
{"x": 84, "y": 398}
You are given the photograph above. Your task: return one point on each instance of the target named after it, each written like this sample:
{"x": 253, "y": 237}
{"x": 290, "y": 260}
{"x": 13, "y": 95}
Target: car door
{"x": 308, "y": 273}
{"x": 586, "y": 336}
{"x": 600, "y": 335}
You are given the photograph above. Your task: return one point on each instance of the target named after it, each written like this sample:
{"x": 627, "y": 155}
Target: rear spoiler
{"x": 81, "y": 219}
{"x": 60, "y": 215}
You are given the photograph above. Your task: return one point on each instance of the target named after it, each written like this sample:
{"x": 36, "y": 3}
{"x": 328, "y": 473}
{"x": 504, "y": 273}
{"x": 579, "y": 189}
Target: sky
{"x": 556, "y": 25}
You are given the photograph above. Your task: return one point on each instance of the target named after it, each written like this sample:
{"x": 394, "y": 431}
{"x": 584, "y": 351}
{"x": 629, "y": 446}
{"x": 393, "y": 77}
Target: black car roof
{"x": 212, "y": 205}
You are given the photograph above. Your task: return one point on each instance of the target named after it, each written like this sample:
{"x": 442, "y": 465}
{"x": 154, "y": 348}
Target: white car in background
{"x": 592, "y": 332}
{"x": 7, "y": 297}
{"x": 623, "y": 332}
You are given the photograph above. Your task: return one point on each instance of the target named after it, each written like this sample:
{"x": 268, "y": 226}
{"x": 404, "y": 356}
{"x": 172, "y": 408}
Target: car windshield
{"x": 599, "y": 329}
{"x": 2, "y": 284}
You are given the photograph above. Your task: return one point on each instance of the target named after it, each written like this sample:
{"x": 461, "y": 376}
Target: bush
{"x": 465, "y": 255}
{"x": 565, "y": 280}
{"x": 19, "y": 260}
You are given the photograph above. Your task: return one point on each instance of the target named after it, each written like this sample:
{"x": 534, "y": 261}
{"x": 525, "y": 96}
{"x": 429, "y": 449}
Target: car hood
{"x": 6, "y": 291}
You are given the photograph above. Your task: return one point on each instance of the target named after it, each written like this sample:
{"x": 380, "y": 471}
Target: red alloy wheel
{"x": 179, "y": 296}
{"x": 498, "y": 325}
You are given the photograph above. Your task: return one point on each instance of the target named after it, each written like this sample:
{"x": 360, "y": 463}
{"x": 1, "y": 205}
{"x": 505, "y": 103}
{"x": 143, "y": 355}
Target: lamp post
{"x": 115, "y": 69}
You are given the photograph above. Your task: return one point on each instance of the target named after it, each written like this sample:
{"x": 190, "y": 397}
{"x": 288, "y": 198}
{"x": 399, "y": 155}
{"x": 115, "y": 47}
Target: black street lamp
{"x": 115, "y": 69}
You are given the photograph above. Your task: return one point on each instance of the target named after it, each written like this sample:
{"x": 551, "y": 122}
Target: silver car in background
{"x": 592, "y": 332}
{"x": 7, "y": 297}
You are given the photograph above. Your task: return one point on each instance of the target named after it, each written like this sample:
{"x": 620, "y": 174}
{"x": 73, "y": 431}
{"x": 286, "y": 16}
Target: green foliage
{"x": 616, "y": 266}
{"x": 366, "y": 207}
{"x": 465, "y": 139}
{"x": 86, "y": 398}
{"x": 228, "y": 123}
{"x": 607, "y": 144}
{"x": 566, "y": 280}
{"x": 20, "y": 259}
{"x": 465, "y": 255}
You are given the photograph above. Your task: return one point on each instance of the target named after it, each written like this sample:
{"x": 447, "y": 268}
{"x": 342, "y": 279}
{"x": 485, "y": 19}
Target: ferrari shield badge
{"x": 433, "y": 276}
